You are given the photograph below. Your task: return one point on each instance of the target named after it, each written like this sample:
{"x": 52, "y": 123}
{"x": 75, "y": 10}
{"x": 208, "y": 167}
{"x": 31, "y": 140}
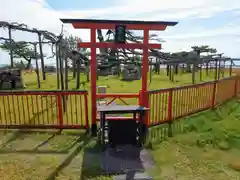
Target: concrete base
{"x": 127, "y": 160}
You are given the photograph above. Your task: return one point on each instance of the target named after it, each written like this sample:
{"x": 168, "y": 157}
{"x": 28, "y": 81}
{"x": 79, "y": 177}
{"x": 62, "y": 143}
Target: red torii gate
{"x": 93, "y": 25}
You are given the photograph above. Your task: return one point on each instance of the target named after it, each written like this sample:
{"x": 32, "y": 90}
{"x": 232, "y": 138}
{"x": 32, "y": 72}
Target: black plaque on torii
{"x": 120, "y": 34}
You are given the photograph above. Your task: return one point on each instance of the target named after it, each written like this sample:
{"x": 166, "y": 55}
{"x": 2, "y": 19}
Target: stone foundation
{"x": 131, "y": 73}
{"x": 10, "y": 79}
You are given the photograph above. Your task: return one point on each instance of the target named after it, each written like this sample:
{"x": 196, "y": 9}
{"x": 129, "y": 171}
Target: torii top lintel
{"x": 146, "y": 26}
{"x": 110, "y": 24}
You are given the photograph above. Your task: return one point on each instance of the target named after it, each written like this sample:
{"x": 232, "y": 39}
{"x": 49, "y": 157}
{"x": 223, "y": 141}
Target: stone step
{"x": 133, "y": 176}
{"x": 126, "y": 158}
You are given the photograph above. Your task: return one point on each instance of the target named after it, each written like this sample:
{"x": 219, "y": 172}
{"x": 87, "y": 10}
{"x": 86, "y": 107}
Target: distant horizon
{"x": 161, "y": 65}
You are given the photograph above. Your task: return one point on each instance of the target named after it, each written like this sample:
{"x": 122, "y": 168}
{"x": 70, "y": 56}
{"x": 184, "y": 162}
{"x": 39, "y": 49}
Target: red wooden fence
{"x": 69, "y": 110}
{"x": 44, "y": 109}
{"x": 173, "y": 103}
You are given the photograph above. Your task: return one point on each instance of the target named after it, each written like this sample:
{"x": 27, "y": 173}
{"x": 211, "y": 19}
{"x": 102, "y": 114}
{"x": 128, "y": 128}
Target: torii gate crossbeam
{"x": 93, "y": 25}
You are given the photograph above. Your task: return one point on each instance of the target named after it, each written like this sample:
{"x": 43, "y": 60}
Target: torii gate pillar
{"x": 93, "y": 25}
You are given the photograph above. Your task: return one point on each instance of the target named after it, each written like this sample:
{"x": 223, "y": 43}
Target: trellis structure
{"x": 93, "y": 25}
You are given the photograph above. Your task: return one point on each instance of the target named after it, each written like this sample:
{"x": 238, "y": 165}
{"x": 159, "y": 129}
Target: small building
{"x": 50, "y": 69}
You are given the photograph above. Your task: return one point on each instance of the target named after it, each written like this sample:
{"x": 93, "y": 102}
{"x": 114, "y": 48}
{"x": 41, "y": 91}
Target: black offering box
{"x": 122, "y": 132}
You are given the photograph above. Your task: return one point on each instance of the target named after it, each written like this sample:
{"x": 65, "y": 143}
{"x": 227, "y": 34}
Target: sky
{"x": 204, "y": 22}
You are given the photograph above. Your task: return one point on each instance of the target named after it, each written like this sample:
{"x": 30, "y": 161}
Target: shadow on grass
{"x": 80, "y": 144}
{"x": 46, "y": 131}
{"x": 91, "y": 166}
{"x": 20, "y": 134}
{"x": 225, "y": 109}
{"x": 15, "y": 135}
{"x": 234, "y": 107}
{"x": 36, "y": 150}
{"x": 44, "y": 142}
{"x": 70, "y": 152}
{"x": 200, "y": 122}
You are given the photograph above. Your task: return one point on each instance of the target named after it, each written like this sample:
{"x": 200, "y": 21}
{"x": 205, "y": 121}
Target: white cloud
{"x": 237, "y": 12}
{"x": 224, "y": 44}
{"x": 166, "y": 9}
{"x": 205, "y": 33}
{"x": 36, "y": 13}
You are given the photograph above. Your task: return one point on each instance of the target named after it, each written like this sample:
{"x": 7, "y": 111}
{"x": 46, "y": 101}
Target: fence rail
{"x": 119, "y": 99}
{"x": 44, "y": 109}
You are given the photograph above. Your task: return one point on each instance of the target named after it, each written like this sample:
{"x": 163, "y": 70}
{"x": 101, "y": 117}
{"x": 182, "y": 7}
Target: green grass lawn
{"x": 115, "y": 85}
{"x": 204, "y": 146}
{"x": 46, "y": 155}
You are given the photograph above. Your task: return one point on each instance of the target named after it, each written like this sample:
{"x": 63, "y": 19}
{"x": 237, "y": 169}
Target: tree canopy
{"x": 20, "y": 49}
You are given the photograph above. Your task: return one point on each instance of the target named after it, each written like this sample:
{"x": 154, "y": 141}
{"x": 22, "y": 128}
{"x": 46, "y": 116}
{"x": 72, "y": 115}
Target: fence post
{"x": 235, "y": 86}
{"x": 143, "y": 101}
{"x": 140, "y": 98}
{"x": 86, "y": 111}
{"x": 60, "y": 111}
{"x": 214, "y": 93}
{"x": 170, "y": 107}
{"x": 147, "y": 113}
